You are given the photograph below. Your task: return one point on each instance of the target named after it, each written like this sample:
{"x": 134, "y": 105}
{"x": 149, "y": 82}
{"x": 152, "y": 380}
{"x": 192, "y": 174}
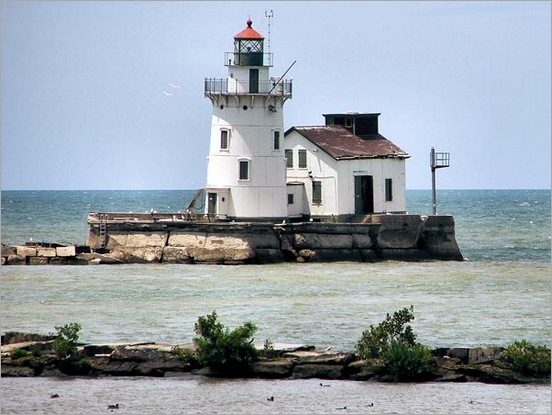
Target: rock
{"x": 58, "y": 261}
{"x": 23, "y": 250}
{"x": 17, "y": 371}
{"x": 363, "y": 370}
{"x": 329, "y": 358}
{"x": 8, "y": 250}
{"x": 320, "y": 371}
{"x": 17, "y": 260}
{"x": 46, "y": 252}
{"x": 95, "y": 349}
{"x": 18, "y": 337}
{"x": 136, "y": 354}
{"x": 64, "y": 251}
{"x": 162, "y": 366}
{"x": 106, "y": 366}
{"x": 273, "y": 368}
{"x": 451, "y": 377}
{"x": 38, "y": 260}
{"x": 484, "y": 354}
{"x": 491, "y": 374}
{"x": 95, "y": 258}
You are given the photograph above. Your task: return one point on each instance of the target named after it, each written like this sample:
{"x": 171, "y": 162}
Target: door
{"x": 212, "y": 204}
{"x": 253, "y": 81}
{"x": 364, "y": 195}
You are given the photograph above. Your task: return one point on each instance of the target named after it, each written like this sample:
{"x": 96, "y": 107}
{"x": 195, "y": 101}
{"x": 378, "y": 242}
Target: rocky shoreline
{"x": 28, "y": 355}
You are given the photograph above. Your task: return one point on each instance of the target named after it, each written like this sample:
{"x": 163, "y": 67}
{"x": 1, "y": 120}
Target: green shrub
{"x": 374, "y": 342}
{"x": 394, "y": 343}
{"x": 79, "y": 367}
{"x": 19, "y": 353}
{"x": 528, "y": 358}
{"x": 268, "y": 351}
{"x": 221, "y": 348}
{"x": 183, "y": 353}
{"x": 65, "y": 344}
{"x": 408, "y": 363}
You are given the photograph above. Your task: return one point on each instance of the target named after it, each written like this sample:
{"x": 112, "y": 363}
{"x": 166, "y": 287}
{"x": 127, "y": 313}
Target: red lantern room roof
{"x": 249, "y": 32}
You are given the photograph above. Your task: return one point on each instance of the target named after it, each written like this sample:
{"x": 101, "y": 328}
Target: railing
{"x": 231, "y": 86}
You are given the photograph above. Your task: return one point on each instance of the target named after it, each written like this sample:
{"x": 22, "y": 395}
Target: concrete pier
{"x": 164, "y": 238}
{"x": 115, "y": 238}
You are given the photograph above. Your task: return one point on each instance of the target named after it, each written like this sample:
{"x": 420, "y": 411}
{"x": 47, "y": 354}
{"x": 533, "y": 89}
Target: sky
{"x": 85, "y": 86}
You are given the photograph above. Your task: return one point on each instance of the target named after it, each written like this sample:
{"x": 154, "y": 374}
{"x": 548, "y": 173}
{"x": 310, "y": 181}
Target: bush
{"x": 268, "y": 351}
{"x": 408, "y": 363}
{"x": 80, "y": 367}
{"x": 374, "y": 342}
{"x": 528, "y": 358}
{"x": 221, "y": 348}
{"x": 65, "y": 344}
{"x": 19, "y": 353}
{"x": 394, "y": 343}
{"x": 183, "y": 353}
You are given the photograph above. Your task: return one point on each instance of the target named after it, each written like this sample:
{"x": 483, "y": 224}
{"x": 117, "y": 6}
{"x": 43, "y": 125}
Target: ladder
{"x": 103, "y": 231}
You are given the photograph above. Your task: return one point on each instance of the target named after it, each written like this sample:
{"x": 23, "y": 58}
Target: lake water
{"x": 500, "y": 294}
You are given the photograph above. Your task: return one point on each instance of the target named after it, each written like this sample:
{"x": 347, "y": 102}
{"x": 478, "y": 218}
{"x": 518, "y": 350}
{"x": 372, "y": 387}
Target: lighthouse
{"x": 246, "y": 168}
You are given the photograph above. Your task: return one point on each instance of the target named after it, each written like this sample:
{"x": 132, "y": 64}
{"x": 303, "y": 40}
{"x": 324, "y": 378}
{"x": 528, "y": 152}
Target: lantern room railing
{"x": 231, "y": 86}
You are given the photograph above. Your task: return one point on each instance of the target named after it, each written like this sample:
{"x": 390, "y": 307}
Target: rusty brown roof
{"x": 341, "y": 144}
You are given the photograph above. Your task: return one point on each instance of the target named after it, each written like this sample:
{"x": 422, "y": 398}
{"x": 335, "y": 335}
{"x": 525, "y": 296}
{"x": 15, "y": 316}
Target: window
{"x": 244, "y": 170}
{"x": 289, "y": 159}
{"x": 388, "y": 190}
{"x": 276, "y": 140}
{"x": 290, "y": 198}
{"x": 317, "y": 192}
{"x": 302, "y": 159}
{"x": 224, "y": 139}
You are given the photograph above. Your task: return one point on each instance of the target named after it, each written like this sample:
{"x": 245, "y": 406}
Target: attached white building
{"x": 345, "y": 167}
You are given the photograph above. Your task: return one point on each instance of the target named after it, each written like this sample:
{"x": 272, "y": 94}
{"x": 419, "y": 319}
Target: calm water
{"x": 499, "y": 295}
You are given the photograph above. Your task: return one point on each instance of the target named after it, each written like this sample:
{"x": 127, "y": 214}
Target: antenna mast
{"x": 270, "y": 15}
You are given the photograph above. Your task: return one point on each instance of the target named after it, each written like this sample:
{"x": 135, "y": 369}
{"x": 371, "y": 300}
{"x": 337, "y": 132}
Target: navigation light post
{"x": 438, "y": 161}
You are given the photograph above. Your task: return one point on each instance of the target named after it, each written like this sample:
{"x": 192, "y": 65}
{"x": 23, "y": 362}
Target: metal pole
{"x": 433, "y": 192}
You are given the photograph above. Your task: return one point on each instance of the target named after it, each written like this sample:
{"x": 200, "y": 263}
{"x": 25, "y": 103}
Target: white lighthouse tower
{"x": 246, "y": 171}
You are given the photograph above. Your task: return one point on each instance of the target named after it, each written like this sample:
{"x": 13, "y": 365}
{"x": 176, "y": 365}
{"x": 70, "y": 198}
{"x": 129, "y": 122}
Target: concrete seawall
{"x": 160, "y": 239}
{"x": 386, "y": 237}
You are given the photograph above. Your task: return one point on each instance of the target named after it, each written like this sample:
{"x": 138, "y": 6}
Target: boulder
{"x": 97, "y": 349}
{"x": 8, "y": 250}
{"x": 363, "y": 370}
{"x": 17, "y": 260}
{"x": 46, "y": 252}
{"x": 64, "y": 251}
{"x": 25, "y": 250}
{"x": 272, "y": 368}
{"x": 328, "y": 358}
{"x": 38, "y": 260}
{"x": 58, "y": 261}
{"x": 320, "y": 371}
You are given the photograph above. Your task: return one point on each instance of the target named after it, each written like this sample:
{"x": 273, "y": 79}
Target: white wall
{"x": 338, "y": 183}
{"x": 251, "y": 127}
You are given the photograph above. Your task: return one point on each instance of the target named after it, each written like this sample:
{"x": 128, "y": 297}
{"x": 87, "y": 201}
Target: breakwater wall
{"x": 385, "y": 237}
{"x": 163, "y": 238}
{"x": 28, "y": 355}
